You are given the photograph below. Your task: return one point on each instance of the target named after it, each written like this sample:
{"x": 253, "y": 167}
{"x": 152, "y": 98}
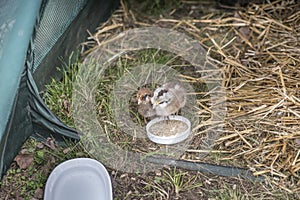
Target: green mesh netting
{"x": 57, "y": 15}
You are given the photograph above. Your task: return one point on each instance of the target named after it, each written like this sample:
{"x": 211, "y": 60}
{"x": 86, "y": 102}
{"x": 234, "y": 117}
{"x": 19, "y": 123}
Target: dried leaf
{"x": 46, "y": 168}
{"x": 40, "y": 145}
{"x": 24, "y": 160}
{"x": 38, "y": 194}
{"x": 66, "y": 150}
{"x": 50, "y": 142}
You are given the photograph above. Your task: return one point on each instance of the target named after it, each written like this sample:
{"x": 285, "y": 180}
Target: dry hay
{"x": 258, "y": 49}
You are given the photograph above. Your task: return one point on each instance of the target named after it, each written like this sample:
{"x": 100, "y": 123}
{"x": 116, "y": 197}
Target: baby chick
{"x": 168, "y": 99}
{"x": 145, "y": 107}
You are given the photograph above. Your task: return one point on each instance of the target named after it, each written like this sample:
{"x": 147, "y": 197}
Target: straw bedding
{"x": 257, "y": 49}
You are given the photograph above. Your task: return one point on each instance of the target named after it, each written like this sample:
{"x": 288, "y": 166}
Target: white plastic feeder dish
{"x": 170, "y": 139}
{"x": 79, "y": 179}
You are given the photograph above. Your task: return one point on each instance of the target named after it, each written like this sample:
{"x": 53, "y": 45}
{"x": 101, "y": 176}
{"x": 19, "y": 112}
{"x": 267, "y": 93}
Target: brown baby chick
{"x": 145, "y": 107}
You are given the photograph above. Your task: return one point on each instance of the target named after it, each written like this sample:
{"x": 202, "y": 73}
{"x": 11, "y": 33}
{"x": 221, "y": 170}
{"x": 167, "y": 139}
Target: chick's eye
{"x": 162, "y": 102}
{"x": 144, "y": 97}
{"x": 161, "y": 92}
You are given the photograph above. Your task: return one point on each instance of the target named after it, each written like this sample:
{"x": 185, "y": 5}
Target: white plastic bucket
{"x": 79, "y": 179}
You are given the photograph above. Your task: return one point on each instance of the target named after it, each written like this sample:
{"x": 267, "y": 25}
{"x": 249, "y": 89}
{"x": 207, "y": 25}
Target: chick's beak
{"x": 155, "y": 103}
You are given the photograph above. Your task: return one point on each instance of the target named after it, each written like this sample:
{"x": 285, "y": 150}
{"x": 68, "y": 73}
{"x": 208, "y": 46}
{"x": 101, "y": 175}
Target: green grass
{"x": 180, "y": 181}
{"x": 227, "y": 193}
{"x": 58, "y": 93}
